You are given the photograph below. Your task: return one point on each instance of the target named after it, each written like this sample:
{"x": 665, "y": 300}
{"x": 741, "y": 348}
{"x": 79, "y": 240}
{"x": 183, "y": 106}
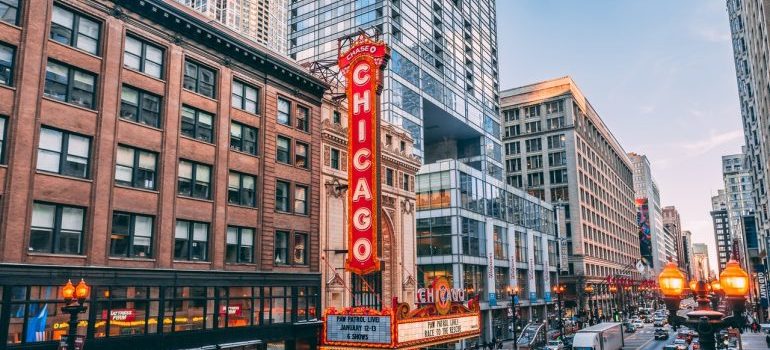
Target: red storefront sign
{"x": 362, "y": 64}
{"x": 126, "y": 315}
{"x": 232, "y": 310}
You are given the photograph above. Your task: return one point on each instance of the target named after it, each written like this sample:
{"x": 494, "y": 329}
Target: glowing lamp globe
{"x": 733, "y": 280}
{"x": 81, "y": 290}
{"x": 68, "y": 291}
{"x": 613, "y": 289}
{"x": 716, "y": 286}
{"x": 671, "y": 281}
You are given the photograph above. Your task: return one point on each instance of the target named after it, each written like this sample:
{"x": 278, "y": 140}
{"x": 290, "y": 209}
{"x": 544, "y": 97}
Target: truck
{"x": 603, "y": 336}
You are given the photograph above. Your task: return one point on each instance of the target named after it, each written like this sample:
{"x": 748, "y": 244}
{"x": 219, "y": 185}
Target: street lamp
{"x": 705, "y": 319}
{"x": 514, "y": 294}
{"x": 589, "y": 289}
{"x": 559, "y": 290}
{"x": 74, "y": 297}
{"x": 613, "y": 291}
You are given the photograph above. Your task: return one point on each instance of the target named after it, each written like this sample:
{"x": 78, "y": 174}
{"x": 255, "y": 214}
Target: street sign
{"x": 492, "y": 299}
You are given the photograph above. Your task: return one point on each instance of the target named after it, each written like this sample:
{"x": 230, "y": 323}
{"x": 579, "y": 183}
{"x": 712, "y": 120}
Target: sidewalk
{"x": 753, "y": 341}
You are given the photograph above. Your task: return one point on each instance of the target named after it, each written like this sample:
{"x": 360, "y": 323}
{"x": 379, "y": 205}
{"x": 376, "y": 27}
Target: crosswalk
{"x": 640, "y": 338}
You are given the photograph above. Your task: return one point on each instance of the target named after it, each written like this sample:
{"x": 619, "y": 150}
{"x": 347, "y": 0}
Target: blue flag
{"x": 36, "y": 325}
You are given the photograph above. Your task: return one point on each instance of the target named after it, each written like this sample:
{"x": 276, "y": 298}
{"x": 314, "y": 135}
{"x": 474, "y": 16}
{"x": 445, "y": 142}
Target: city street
{"x": 643, "y": 339}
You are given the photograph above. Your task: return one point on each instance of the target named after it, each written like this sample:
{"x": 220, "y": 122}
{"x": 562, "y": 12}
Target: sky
{"x": 660, "y": 73}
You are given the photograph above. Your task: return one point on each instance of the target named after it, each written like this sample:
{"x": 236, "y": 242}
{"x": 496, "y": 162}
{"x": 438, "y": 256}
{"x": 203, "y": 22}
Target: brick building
{"x": 170, "y": 163}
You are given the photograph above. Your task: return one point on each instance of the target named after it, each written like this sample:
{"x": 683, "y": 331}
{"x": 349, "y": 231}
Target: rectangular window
{"x": 9, "y": 10}
{"x": 532, "y": 127}
{"x": 242, "y": 189}
{"x": 303, "y": 118}
{"x": 281, "y": 248}
{"x": 74, "y": 29}
{"x": 140, "y": 106}
{"x": 500, "y": 242}
{"x": 521, "y": 247}
{"x": 557, "y": 141}
{"x": 532, "y": 111}
{"x": 301, "y": 155}
{"x": 191, "y": 240}
{"x": 131, "y": 235}
{"x": 300, "y": 200}
{"x": 534, "y": 162}
{"x": 63, "y": 153}
{"x": 200, "y": 79}
{"x": 70, "y": 85}
{"x": 555, "y": 123}
{"x": 3, "y": 135}
{"x": 7, "y": 54}
{"x": 514, "y": 180}
{"x": 282, "y": 196}
{"x": 244, "y": 138}
{"x": 56, "y": 228}
{"x": 389, "y": 177}
{"x": 135, "y": 167}
{"x": 512, "y": 148}
{"x": 537, "y": 250}
{"x": 535, "y": 179}
{"x": 334, "y": 158}
{"x": 534, "y": 145}
{"x": 337, "y": 117}
{"x": 558, "y": 176}
{"x": 194, "y": 180}
{"x": 197, "y": 124}
{"x": 284, "y": 112}
{"x": 283, "y": 150}
{"x": 405, "y": 182}
{"x": 300, "y": 249}
{"x": 240, "y": 245}
{"x": 144, "y": 57}
{"x": 513, "y": 130}
{"x": 557, "y": 159}
{"x": 245, "y": 97}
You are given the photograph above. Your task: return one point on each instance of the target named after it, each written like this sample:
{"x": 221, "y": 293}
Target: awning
{"x": 235, "y": 345}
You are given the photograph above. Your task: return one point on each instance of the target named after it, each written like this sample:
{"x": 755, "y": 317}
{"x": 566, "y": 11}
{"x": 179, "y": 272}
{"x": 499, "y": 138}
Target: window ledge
{"x": 228, "y": 263}
{"x": 43, "y": 172}
{"x": 196, "y": 198}
{"x": 244, "y": 153}
{"x": 119, "y": 258}
{"x": 76, "y": 48}
{"x": 258, "y": 115}
{"x": 140, "y": 124}
{"x": 213, "y": 99}
{"x": 292, "y": 213}
{"x": 199, "y": 262}
{"x": 242, "y": 206}
{"x": 144, "y": 74}
{"x": 212, "y": 143}
{"x": 94, "y": 111}
{"x": 137, "y": 188}
{"x": 8, "y": 87}
{"x": 57, "y": 255}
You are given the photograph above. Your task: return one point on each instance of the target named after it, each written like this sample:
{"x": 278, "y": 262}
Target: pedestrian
{"x": 767, "y": 340}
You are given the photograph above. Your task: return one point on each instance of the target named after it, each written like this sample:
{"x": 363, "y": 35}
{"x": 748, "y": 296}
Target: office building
{"x": 673, "y": 223}
{"x": 173, "y": 170}
{"x": 722, "y": 229}
{"x": 702, "y": 266}
{"x": 739, "y": 201}
{"x": 557, "y": 148}
{"x": 663, "y": 245}
{"x": 687, "y": 255}
{"x": 264, "y": 21}
{"x": 749, "y": 29}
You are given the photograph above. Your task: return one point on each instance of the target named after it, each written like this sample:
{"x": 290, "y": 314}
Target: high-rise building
{"x": 749, "y": 27}
{"x": 739, "y": 201}
{"x": 722, "y": 228}
{"x": 441, "y": 85}
{"x": 559, "y": 149}
{"x": 687, "y": 255}
{"x": 264, "y": 21}
{"x": 646, "y": 189}
{"x": 673, "y": 223}
{"x": 701, "y": 264}
{"x": 149, "y": 154}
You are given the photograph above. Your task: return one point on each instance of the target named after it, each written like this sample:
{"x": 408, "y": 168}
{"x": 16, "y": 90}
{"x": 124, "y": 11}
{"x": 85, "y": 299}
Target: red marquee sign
{"x": 362, "y": 64}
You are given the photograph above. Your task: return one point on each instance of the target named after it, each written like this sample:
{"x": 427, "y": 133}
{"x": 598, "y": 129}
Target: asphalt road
{"x": 644, "y": 339}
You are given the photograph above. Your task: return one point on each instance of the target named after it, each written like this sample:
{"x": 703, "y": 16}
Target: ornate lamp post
{"x": 559, "y": 290}
{"x": 734, "y": 282}
{"x": 589, "y": 290}
{"x": 514, "y": 294}
{"x": 613, "y": 291}
{"x": 74, "y": 297}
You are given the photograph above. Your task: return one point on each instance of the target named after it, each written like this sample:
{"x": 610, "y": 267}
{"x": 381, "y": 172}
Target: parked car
{"x": 661, "y": 334}
{"x": 554, "y": 345}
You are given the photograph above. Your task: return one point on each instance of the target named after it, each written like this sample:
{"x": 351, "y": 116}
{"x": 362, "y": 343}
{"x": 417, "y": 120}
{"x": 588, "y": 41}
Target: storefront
{"x": 162, "y": 309}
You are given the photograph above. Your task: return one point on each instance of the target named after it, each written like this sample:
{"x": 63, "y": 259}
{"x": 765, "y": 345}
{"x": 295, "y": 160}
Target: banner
{"x": 762, "y": 284}
{"x": 645, "y": 237}
{"x": 362, "y": 64}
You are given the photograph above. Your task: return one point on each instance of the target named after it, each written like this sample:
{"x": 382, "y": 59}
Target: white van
{"x": 603, "y": 336}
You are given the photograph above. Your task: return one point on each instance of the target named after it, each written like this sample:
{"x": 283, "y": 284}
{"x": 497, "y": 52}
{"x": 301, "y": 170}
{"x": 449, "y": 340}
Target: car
{"x": 680, "y": 344}
{"x": 657, "y": 324}
{"x": 661, "y": 334}
{"x": 554, "y": 345}
{"x": 638, "y": 324}
{"x": 630, "y": 328}
{"x": 670, "y": 347}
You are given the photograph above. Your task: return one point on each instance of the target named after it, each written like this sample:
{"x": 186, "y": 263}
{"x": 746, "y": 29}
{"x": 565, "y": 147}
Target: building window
{"x": 245, "y": 97}
{"x": 191, "y": 240}
{"x": 405, "y": 182}
{"x": 434, "y": 236}
{"x": 56, "y": 228}
{"x": 240, "y": 245}
{"x": 537, "y": 250}
{"x": 534, "y": 162}
{"x": 197, "y": 124}
{"x": 135, "y": 167}
{"x": 194, "y": 179}
{"x": 63, "y": 153}
{"x": 334, "y": 158}
{"x": 532, "y": 127}
{"x": 281, "y": 248}
{"x": 241, "y": 189}
{"x": 244, "y": 138}
{"x": 71, "y": 85}
{"x": 533, "y": 145}
{"x": 557, "y": 159}
{"x": 282, "y": 196}
{"x": 473, "y": 237}
{"x": 513, "y": 130}
{"x": 532, "y": 111}
{"x": 283, "y": 150}
{"x": 301, "y": 155}
{"x": 389, "y": 176}
{"x": 300, "y": 249}
{"x": 556, "y": 141}
{"x": 514, "y": 180}
{"x": 303, "y": 119}
{"x": 513, "y": 165}
{"x": 553, "y": 256}
{"x": 337, "y": 117}
{"x": 3, "y": 135}
{"x": 500, "y": 242}
{"x": 73, "y": 29}
{"x": 521, "y": 247}
{"x": 131, "y": 235}
{"x": 300, "y": 200}
{"x": 6, "y": 62}
{"x": 512, "y": 148}
{"x": 144, "y": 57}
{"x": 140, "y": 106}
{"x": 284, "y": 112}
{"x": 558, "y": 176}
{"x": 200, "y": 79}
{"x": 9, "y": 10}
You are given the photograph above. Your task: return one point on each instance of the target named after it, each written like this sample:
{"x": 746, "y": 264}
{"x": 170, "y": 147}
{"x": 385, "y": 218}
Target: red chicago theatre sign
{"x": 362, "y": 65}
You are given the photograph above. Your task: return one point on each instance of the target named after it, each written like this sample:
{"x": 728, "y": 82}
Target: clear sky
{"x": 659, "y": 72}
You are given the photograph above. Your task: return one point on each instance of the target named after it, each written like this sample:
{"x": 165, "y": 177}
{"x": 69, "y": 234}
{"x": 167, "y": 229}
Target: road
{"x": 644, "y": 339}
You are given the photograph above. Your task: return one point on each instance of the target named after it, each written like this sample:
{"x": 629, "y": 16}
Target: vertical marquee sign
{"x": 362, "y": 65}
